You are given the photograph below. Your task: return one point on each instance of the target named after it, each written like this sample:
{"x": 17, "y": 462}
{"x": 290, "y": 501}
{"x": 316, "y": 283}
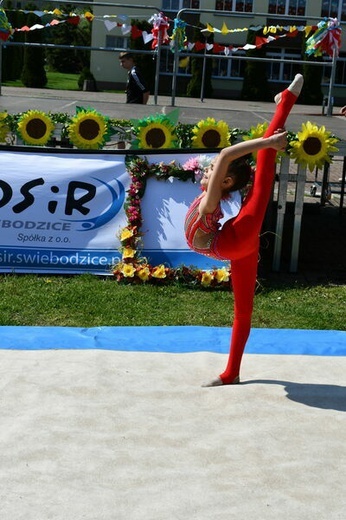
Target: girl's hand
{"x": 278, "y": 141}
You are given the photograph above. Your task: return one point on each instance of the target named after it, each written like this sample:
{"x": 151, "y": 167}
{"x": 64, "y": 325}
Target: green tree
{"x": 34, "y": 74}
{"x": 69, "y": 60}
{"x": 12, "y": 56}
{"x": 312, "y": 92}
{"x": 255, "y": 84}
{"x": 194, "y": 86}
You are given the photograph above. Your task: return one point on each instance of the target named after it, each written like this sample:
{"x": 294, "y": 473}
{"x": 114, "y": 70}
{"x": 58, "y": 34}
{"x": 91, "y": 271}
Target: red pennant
{"x": 260, "y": 40}
{"x": 73, "y": 20}
{"x": 4, "y": 35}
{"x": 292, "y": 34}
{"x": 199, "y": 46}
{"x": 218, "y": 48}
{"x": 135, "y": 32}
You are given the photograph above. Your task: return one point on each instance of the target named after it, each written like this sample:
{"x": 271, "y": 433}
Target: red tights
{"x": 238, "y": 241}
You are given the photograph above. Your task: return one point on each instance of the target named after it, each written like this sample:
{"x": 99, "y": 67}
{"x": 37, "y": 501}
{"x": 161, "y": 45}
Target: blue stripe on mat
{"x": 173, "y": 340}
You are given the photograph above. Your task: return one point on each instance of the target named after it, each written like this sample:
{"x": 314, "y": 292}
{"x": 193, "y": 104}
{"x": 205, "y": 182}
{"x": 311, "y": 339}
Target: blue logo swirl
{"x": 101, "y": 220}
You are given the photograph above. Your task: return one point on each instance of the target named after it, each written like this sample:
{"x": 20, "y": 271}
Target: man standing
{"x": 137, "y": 90}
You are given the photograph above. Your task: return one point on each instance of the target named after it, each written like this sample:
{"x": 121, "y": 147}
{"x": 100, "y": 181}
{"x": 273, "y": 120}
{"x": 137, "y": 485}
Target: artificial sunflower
{"x": 4, "y": 127}
{"x": 155, "y": 132}
{"x": 209, "y": 133}
{"x": 254, "y": 133}
{"x": 35, "y": 127}
{"x": 313, "y": 147}
{"x": 88, "y": 129}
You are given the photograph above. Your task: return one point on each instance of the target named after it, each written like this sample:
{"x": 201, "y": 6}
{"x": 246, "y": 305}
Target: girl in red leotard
{"x": 238, "y": 239}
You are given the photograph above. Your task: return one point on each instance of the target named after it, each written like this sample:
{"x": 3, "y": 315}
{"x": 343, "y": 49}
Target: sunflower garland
{"x": 88, "y": 129}
{"x": 35, "y": 127}
{"x": 313, "y": 146}
{"x": 209, "y": 133}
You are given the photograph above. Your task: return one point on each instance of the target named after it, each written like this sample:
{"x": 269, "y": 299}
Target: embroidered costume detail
{"x": 200, "y": 231}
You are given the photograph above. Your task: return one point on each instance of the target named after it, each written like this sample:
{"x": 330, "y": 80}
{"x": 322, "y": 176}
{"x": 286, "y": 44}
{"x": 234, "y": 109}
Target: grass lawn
{"x": 56, "y": 80}
{"x": 91, "y": 301}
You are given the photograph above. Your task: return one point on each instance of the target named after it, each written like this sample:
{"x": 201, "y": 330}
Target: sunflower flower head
{"x": 35, "y": 127}
{"x": 155, "y": 132}
{"x": 209, "y": 133}
{"x": 254, "y": 133}
{"x": 88, "y": 129}
{"x": 4, "y": 127}
{"x": 313, "y": 147}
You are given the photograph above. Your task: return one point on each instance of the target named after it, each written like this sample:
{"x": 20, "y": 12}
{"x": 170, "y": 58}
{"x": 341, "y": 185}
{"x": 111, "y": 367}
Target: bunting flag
{"x": 25, "y": 28}
{"x": 325, "y": 37}
{"x": 5, "y": 26}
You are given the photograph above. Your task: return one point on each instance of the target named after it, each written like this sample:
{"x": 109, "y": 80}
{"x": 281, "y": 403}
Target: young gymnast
{"x": 238, "y": 239}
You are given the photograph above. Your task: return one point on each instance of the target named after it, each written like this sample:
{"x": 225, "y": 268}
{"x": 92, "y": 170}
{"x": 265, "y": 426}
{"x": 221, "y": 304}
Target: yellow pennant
{"x": 307, "y": 30}
{"x": 224, "y": 29}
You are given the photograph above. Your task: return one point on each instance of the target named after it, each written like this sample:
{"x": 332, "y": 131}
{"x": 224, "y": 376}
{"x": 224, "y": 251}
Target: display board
{"x": 62, "y": 212}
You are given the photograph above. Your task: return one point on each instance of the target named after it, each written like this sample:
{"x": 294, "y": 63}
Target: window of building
{"x": 283, "y": 70}
{"x": 167, "y": 65}
{"x": 334, "y": 9}
{"x": 241, "y": 6}
{"x": 340, "y": 73}
{"x": 116, "y": 42}
{"x": 288, "y": 7}
{"x": 230, "y": 67}
{"x": 176, "y": 5}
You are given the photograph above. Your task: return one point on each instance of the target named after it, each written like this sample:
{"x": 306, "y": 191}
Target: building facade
{"x": 230, "y": 19}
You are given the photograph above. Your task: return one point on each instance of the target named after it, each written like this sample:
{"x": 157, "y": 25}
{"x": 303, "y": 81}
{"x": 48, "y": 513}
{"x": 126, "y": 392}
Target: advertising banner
{"x": 63, "y": 212}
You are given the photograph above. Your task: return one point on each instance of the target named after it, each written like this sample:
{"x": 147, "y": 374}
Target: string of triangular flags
{"x": 325, "y": 37}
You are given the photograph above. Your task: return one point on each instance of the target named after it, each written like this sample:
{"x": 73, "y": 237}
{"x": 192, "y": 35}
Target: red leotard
{"x": 207, "y": 224}
{"x": 238, "y": 240}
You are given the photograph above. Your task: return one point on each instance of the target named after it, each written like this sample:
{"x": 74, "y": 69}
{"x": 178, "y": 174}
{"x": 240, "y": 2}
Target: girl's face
{"x": 206, "y": 176}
